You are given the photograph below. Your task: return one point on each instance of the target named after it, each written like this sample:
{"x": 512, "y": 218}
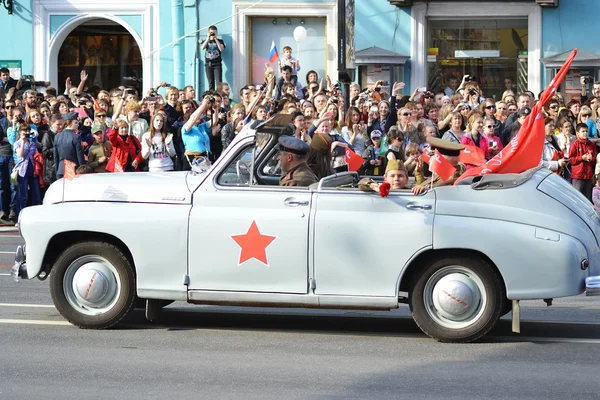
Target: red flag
{"x": 69, "y": 170}
{"x": 425, "y": 156}
{"x": 439, "y": 165}
{"x": 472, "y": 155}
{"x": 354, "y": 160}
{"x": 525, "y": 150}
{"x": 118, "y": 167}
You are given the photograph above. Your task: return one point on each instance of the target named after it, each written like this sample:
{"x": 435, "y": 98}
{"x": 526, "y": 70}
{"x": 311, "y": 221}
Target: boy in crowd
{"x": 372, "y": 164}
{"x": 100, "y": 151}
{"x": 582, "y": 157}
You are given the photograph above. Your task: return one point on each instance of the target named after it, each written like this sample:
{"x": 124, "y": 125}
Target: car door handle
{"x": 295, "y": 203}
{"x": 419, "y": 206}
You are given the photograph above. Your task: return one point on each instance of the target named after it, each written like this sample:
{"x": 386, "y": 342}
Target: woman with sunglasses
{"x": 410, "y": 133}
{"x": 552, "y": 109}
{"x": 488, "y": 110}
{"x": 585, "y": 117}
{"x": 494, "y": 141}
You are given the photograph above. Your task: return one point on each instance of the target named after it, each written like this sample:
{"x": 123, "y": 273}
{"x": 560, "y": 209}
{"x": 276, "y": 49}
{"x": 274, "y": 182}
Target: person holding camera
{"x": 26, "y": 179}
{"x": 212, "y": 57}
{"x": 195, "y": 133}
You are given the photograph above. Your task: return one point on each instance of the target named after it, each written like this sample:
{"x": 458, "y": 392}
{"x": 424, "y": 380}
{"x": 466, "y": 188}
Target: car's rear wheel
{"x": 456, "y": 299}
{"x": 93, "y": 285}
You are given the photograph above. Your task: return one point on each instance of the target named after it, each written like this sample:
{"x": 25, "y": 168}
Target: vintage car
{"x": 460, "y": 256}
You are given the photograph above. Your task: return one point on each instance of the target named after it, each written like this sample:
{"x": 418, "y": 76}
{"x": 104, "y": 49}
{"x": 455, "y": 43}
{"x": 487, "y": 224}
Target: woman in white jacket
{"x": 157, "y": 146}
{"x": 551, "y": 155}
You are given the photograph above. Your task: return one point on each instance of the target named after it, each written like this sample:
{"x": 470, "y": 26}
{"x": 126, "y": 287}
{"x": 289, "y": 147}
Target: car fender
{"x": 534, "y": 262}
{"x": 155, "y": 235}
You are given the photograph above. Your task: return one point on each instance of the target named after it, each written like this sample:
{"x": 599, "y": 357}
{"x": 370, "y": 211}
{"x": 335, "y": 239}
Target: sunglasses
{"x": 9, "y": 107}
{"x": 489, "y": 126}
{"x": 553, "y": 107}
{"x": 101, "y": 116}
{"x": 490, "y": 107}
{"x": 586, "y": 115}
{"x": 407, "y": 114}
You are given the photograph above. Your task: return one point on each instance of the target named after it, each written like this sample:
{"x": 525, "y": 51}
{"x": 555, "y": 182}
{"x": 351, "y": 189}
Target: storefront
{"x": 497, "y": 43}
{"x": 585, "y": 64}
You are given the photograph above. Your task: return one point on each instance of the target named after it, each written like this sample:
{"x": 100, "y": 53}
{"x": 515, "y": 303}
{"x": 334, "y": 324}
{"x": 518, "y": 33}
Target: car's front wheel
{"x": 456, "y": 299}
{"x": 93, "y": 285}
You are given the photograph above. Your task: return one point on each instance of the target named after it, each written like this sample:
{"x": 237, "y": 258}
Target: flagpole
{"x": 432, "y": 179}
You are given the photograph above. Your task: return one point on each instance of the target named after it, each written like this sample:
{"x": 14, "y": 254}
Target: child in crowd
{"x": 582, "y": 158}
{"x": 100, "y": 151}
{"x": 372, "y": 164}
{"x": 413, "y": 154}
{"x": 292, "y": 62}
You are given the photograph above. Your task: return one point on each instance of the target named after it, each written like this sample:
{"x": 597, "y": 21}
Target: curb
{"x": 10, "y": 228}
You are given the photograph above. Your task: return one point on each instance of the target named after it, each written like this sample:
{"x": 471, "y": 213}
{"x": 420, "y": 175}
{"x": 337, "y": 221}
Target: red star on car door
{"x": 253, "y": 244}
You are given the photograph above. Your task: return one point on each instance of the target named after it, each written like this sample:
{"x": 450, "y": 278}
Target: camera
{"x": 211, "y": 99}
{"x": 222, "y": 110}
{"x": 82, "y": 101}
{"x": 130, "y": 91}
{"x": 468, "y": 78}
{"x": 472, "y": 92}
{"x": 151, "y": 99}
{"x": 334, "y": 101}
{"x": 378, "y": 89}
{"x": 588, "y": 79}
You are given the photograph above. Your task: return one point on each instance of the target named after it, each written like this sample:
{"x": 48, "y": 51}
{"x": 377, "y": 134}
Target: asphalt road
{"x": 201, "y": 352}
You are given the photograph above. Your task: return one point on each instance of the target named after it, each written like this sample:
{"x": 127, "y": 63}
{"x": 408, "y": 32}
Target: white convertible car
{"x": 459, "y": 256}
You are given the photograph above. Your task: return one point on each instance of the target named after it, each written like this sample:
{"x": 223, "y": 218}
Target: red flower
{"x": 384, "y": 189}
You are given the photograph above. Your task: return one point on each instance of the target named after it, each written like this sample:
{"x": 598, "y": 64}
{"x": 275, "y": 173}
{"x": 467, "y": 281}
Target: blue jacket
{"x": 67, "y": 146}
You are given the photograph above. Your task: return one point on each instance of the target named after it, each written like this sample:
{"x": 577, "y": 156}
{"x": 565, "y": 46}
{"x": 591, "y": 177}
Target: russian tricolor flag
{"x": 274, "y": 54}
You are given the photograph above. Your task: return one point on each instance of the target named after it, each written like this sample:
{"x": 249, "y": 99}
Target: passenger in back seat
{"x": 395, "y": 175}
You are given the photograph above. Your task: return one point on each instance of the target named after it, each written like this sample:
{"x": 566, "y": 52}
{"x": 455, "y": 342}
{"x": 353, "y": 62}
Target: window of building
{"x": 492, "y": 51}
{"x": 311, "y": 53}
{"x": 106, "y": 51}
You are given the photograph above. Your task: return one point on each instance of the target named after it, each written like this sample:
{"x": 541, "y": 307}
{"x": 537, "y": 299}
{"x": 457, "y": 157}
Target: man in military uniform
{"x": 292, "y": 156}
{"x": 451, "y": 152}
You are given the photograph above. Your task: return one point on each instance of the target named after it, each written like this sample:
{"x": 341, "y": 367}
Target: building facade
{"x": 144, "y": 42}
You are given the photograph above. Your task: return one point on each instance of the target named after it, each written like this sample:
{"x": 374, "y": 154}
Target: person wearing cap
{"x": 451, "y": 152}
{"x": 67, "y": 145}
{"x": 100, "y": 151}
{"x": 371, "y": 155}
{"x": 395, "y": 174}
{"x": 292, "y": 156}
{"x": 514, "y": 129}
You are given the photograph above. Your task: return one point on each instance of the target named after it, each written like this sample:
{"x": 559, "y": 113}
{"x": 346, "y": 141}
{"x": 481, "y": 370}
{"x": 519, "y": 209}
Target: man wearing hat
{"x": 395, "y": 174}
{"x": 451, "y": 152}
{"x": 292, "y": 156}
{"x": 67, "y": 145}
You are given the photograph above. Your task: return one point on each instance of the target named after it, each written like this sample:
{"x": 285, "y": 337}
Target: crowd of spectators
{"x": 169, "y": 128}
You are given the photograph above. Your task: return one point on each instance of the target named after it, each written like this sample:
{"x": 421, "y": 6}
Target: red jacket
{"x": 121, "y": 148}
{"x": 579, "y": 168}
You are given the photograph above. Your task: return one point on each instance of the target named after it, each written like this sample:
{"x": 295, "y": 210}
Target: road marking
{"x": 5, "y": 274}
{"x": 33, "y": 322}
{"x": 542, "y": 339}
{"x": 7, "y": 252}
{"x": 27, "y": 305}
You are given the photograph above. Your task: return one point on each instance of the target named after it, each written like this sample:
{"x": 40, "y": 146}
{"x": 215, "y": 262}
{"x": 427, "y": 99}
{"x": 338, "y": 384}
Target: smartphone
{"x": 422, "y": 89}
{"x": 130, "y": 91}
{"x": 152, "y": 99}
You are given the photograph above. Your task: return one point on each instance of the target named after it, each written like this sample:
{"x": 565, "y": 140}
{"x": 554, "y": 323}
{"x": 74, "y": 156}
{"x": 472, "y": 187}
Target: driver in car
{"x": 293, "y": 153}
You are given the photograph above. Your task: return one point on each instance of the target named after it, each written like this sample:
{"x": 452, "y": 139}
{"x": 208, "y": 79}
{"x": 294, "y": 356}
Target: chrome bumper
{"x": 592, "y": 286}
{"x": 19, "y": 269}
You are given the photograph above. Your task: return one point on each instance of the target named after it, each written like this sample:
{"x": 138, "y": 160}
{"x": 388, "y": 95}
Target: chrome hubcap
{"x": 92, "y": 285}
{"x": 455, "y": 297}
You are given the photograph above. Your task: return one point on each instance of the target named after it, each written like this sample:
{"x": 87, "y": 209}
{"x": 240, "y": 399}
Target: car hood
{"x": 138, "y": 187}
